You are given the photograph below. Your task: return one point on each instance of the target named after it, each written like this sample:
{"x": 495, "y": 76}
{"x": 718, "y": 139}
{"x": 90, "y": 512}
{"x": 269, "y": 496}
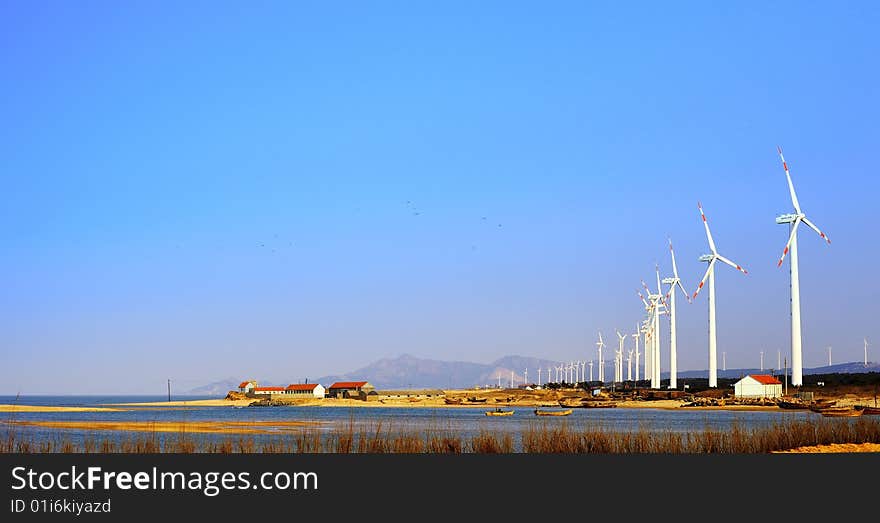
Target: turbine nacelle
{"x": 706, "y": 257}
{"x": 789, "y": 218}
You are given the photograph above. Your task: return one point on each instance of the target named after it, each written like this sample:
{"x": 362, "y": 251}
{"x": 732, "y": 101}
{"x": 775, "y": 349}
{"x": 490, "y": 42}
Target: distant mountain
{"x": 853, "y": 367}
{"x": 408, "y": 371}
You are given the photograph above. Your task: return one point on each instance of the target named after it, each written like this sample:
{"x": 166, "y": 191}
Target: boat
{"x": 785, "y": 404}
{"x": 539, "y": 412}
{"x": 839, "y": 412}
{"x": 499, "y": 412}
{"x": 451, "y": 401}
{"x": 597, "y": 404}
{"x": 475, "y": 399}
{"x": 871, "y": 411}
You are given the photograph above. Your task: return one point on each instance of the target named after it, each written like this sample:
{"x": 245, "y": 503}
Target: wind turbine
{"x": 591, "y": 370}
{"x": 673, "y": 282}
{"x": 601, "y": 344}
{"x": 656, "y": 300}
{"x": 629, "y": 373}
{"x": 620, "y": 339}
{"x": 647, "y": 330}
{"x": 866, "y": 352}
{"x": 710, "y": 273}
{"x": 794, "y": 220}
{"x": 636, "y": 336}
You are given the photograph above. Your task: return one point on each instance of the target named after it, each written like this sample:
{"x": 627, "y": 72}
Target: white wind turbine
{"x": 791, "y": 247}
{"x": 601, "y": 344}
{"x": 654, "y": 307}
{"x": 647, "y": 330}
{"x": 591, "y": 370}
{"x": 629, "y": 357}
{"x": 636, "y": 336}
{"x": 710, "y": 273}
{"x": 673, "y": 282}
{"x": 621, "y": 338}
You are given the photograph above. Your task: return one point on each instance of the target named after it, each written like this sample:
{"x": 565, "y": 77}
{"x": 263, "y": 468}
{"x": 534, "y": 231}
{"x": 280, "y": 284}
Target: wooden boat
{"x": 499, "y": 412}
{"x": 475, "y": 399}
{"x": 598, "y": 404}
{"x": 838, "y": 412}
{"x": 451, "y": 401}
{"x": 539, "y": 412}
{"x": 871, "y": 411}
{"x": 785, "y": 404}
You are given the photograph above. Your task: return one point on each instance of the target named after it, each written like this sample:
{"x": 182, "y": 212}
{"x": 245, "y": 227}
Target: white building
{"x": 758, "y": 386}
{"x": 315, "y": 390}
{"x": 247, "y": 386}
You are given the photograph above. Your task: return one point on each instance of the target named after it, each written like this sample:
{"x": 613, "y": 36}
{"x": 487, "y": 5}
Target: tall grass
{"x": 382, "y": 437}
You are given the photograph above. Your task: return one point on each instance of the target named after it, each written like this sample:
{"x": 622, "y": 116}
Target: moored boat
{"x": 539, "y": 412}
{"x": 499, "y": 412}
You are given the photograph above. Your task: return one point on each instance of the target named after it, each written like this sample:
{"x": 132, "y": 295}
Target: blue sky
{"x": 196, "y": 190}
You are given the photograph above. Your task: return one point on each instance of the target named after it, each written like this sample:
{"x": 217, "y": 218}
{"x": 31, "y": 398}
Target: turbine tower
{"x": 591, "y": 370}
{"x": 673, "y": 282}
{"x": 629, "y": 370}
{"x": 710, "y": 273}
{"x": 793, "y": 220}
{"x": 601, "y": 344}
{"x": 866, "y": 352}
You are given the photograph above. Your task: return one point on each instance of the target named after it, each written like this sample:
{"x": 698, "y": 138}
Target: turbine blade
{"x": 732, "y": 264}
{"x": 672, "y": 253}
{"x": 680, "y": 286}
{"x": 794, "y": 199}
{"x": 706, "y": 224}
{"x": 813, "y": 226}
{"x": 643, "y": 300}
{"x": 703, "y": 281}
{"x": 797, "y": 221}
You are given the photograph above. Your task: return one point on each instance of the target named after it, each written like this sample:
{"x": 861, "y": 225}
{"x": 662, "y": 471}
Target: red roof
{"x": 348, "y": 384}
{"x": 243, "y": 384}
{"x": 268, "y": 388}
{"x": 765, "y": 379}
{"x": 302, "y": 386}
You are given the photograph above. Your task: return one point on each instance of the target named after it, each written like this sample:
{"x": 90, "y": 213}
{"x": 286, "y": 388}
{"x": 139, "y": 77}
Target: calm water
{"x": 461, "y": 421}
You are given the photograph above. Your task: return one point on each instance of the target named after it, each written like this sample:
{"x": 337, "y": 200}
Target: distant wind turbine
{"x": 673, "y": 282}
{"x": 710, "y": 273}
{"x": 601, "y": 344}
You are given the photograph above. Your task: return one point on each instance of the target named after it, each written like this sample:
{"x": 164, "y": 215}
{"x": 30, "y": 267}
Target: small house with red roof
{"x": 758, "y": 386}
{"x": 351, "y": 389}
{"x": 298, "y": 390}
{"x": 246, "y": 386}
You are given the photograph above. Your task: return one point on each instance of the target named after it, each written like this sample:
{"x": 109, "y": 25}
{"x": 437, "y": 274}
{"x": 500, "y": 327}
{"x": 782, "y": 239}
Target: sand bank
{"x": 216, "y": 427}
{"x": 45, "y": 408}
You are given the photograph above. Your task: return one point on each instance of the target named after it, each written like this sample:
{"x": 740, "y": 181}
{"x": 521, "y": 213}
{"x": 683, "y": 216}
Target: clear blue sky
{"x": 196, "y": 190}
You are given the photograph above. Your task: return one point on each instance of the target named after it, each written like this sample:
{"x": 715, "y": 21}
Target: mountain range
{"x": 409, "y": 372}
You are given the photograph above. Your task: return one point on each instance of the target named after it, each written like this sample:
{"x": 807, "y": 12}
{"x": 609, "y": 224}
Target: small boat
{"x": 598, "y": 404}
{"x": 499, "y": 412}
{"x": 785, "y": 404}
{"x": 565, "y": 412}
{"x": 868, "y": 411}
{"x": 475, "y": 399}
{"x": 451, "y": 401}
{"x": 839, "y": 412}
